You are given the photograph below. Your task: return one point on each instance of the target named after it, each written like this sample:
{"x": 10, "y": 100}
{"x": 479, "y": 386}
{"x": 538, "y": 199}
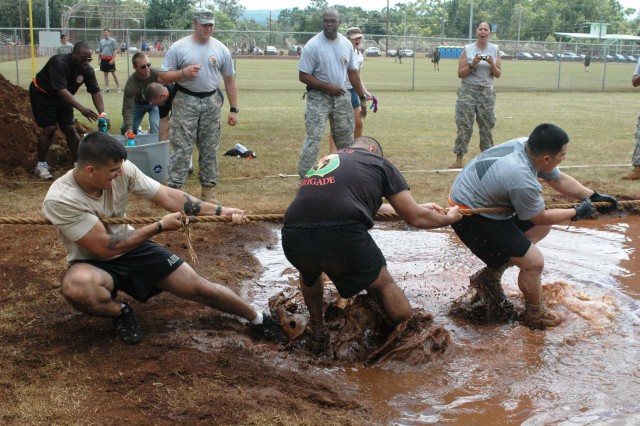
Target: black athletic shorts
{"x": 345, "y": 252}
{"x": 105, "y": 66}
{"x": 138, "y": 272}
{"x": 494, "y": 241}
{"x": 50, "y": 110}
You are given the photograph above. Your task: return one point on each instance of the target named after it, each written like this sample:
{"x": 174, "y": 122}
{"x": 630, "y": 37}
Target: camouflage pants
{"x": 194, "y": 120}
{"x": 636, "y": 151}
{"x": 320, "y": 106}
{"x": 477, "y": 104}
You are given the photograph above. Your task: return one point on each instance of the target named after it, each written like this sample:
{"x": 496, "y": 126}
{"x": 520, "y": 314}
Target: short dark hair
{"x": 98, "y": 148}
{"x": 153, "y": 90}
{"x": 136, "y": 56}
{"x": 547, "y": 138}
{"x": 368, "y": 140}
{"x": 63, "y": 36}
{"x": 81, "y": 45}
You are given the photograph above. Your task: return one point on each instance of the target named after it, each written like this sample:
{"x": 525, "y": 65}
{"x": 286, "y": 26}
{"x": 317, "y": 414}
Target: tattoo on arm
{"x": 115, "y": 239}
{"x": 190, "y": 207}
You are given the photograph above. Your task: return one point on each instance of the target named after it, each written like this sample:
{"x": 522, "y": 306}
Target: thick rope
{"x": 9, "y": 220}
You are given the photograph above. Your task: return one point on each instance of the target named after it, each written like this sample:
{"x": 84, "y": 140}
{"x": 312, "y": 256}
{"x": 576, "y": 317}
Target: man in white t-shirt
{"x": 325, "y": 62}
{"x": 107, "y": 258}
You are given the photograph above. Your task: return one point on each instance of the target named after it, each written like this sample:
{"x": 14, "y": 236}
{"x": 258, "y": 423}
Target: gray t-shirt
{"x": 502, "y": 176}
{"x": 108, "y": 47}
{"x": 328, "y": 60}
{"x": 213, "y": 57}
{"x": 637, "y": 71}
{"x": 481, "y": 73}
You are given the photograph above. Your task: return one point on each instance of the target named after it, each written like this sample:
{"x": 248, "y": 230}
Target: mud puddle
{"x": 583, "y": 371}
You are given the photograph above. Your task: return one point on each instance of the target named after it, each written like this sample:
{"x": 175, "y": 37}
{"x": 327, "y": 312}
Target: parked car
{"x": 295, "y": 49}
{"x": 549, "y": 56}
{"x": 619, "y": 58}
{"x": 569, "y": 56}
{"x": 504, "y": 55}
{"x": 392, "y": 52}
{"x": 407, "y": 53}
{"x": 372, "y": 51}
{"x": 524, "y": 56}
{"x": 270, "y": 50}
{"x": 631, "y": 58}
{"x": 537, "y": 56}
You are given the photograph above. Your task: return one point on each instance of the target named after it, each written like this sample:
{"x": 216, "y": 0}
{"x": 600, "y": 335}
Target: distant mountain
{"x": 261, "y": 16}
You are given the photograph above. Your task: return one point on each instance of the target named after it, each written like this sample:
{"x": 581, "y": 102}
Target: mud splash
{"x": 579, "y": 372}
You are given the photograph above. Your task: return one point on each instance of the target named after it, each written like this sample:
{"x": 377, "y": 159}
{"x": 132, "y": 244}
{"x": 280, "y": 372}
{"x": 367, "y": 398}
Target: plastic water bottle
{"x": 241, "y": 148}
{"x": 131, "y": 139}
{"x": 103, "y": 123}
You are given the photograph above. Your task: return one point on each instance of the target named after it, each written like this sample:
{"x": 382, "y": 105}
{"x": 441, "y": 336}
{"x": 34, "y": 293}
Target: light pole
{"x": 442, "y": 22}
{"x": 470, "y": 20}
{"x": 386, "y": 47}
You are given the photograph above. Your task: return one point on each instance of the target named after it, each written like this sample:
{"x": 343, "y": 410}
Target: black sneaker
{"x": 270, "y": 330}
{"x": 127, "y": 328}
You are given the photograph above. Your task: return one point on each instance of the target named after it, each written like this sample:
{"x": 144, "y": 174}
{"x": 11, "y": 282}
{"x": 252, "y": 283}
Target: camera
{"x": 483, "y": 57}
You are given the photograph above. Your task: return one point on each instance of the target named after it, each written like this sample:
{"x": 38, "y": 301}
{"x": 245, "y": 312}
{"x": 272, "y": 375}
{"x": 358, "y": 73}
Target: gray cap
{"x": 203, "y": 16}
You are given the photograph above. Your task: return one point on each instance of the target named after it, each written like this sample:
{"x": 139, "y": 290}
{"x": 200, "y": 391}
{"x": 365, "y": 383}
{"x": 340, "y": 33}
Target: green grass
{"x": 416, "y": 128}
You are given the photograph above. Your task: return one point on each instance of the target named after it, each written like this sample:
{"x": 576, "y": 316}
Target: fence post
{"x": 415, "y": 54}
{"x": 15, "y": 45}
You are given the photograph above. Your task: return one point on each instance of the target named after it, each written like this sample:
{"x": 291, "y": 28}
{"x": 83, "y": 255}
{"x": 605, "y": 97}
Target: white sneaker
{"x": 43, "y": 172}
{"x": 119, "y": 90}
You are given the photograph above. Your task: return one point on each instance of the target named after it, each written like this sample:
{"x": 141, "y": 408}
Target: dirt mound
{"x": 20, "y": 134}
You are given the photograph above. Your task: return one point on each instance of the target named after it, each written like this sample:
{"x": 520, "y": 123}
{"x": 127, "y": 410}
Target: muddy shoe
{"x": 318, "y": 342}
{"x": 270, "y": 330}
{"x": 127, "y": 328}
{"x": 538, "y": 317}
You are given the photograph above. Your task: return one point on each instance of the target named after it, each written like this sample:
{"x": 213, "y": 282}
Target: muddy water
{"x": 587, "y": 370}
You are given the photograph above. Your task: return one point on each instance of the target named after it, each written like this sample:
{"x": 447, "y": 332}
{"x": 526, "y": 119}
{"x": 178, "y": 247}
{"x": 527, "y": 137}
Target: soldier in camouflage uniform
{"x": 479, "y": 64}
{"x": 198, "y": 64}
{"x": 326, "y": 61}
{"x": 635, "y": 173}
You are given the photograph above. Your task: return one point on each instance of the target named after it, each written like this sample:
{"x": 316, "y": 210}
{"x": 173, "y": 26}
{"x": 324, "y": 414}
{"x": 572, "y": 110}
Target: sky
{"x": 364, "y": 4}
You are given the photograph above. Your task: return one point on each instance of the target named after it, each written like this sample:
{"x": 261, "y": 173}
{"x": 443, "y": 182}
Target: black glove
{"x": 584, "y": 209}
{"x": 596, "y": 198}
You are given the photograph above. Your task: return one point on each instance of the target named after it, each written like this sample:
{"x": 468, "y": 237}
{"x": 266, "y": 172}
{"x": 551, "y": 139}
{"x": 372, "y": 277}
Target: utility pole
{"x": 46, "y": 14}
{"x": 470, "y": 21}
{"x": 386, "y": 47}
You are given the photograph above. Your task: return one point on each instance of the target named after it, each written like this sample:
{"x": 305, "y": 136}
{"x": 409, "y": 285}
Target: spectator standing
{"x": 587, "y": 61}
{"x": 64, "y": 47}
{"x": 198, "y": 64}
{"x": 326, "y": 228}
{"x": 478, "y": 66}
{"x": 135, "y": 105}
{"x": 355, "y": 36}
{"x": 325, "y": 62}
{"x": 635, "y": 160}
{"x": 436, "y": 59}
{"x": 105, "y": 259}
{"x": 107, "y": 50}
{"x": 398, "y": 56}
{"x": 52, "y": 100}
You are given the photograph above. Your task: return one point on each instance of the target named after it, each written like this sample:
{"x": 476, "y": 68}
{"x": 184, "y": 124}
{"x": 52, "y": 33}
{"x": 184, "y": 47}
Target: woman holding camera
{"x": 479, "y": 64}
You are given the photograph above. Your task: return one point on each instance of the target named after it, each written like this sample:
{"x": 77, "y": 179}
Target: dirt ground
{"x": 195, "y": 364}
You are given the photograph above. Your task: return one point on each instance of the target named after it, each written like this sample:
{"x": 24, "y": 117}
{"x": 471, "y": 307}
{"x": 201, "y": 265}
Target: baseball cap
{"x": 354, "y": 32}
{"x": 203, "y": 16}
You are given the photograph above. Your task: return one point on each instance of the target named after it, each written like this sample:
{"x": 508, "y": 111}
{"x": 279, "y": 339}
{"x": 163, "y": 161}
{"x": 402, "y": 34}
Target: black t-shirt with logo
{"x": 59, "y": 73}
{"x": 344, "y": 187}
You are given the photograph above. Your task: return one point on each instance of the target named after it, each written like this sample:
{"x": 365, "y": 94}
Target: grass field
{"x": 416, "y": 128}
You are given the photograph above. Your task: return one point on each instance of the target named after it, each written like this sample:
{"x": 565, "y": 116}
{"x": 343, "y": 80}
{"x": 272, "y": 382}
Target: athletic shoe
{"x": 127, "y": 328}
{"x": 43, "y": 172}
{"x": 119, "y": 90}
{"x": 538, "y": 317}
{"x": 106, "y": 90}
{"x": 270, "y": 330}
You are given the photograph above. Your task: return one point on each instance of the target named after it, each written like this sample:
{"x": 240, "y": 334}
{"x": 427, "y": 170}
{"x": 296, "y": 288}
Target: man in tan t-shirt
{"x": 104, "y": 259}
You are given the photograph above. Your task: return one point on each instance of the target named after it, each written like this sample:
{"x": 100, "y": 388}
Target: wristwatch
{"x": 234, "y": 109}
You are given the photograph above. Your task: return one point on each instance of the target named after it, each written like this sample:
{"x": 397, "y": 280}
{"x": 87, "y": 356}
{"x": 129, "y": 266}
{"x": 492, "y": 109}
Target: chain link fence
{"x": 553, "y": 66}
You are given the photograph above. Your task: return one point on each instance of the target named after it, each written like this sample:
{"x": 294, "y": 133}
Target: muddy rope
{"x": 9, "y": 220}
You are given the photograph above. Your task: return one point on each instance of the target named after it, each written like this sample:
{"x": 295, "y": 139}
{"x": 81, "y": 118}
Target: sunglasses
{"x": 86, "y": 58}
{"x": 144, "y": 66}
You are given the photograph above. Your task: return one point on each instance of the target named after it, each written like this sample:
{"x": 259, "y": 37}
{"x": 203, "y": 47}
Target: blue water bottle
{"x": 131, "y": 139}
{"x": 103, "y": 122}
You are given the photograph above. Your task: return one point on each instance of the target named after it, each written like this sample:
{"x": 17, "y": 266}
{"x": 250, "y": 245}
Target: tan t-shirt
{"x": 74, "y": 212}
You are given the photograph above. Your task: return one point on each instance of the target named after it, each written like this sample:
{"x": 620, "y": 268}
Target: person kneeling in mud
{"x": 507, "y": 176}
{"x": 326, "y": 229}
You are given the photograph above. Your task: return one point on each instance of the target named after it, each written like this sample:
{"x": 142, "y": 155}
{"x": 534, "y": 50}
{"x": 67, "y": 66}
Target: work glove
{"x": 584, "y": 209}
{"x": 596, "y": 198}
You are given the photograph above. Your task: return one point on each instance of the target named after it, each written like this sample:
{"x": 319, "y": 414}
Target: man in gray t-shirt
{"x": 326, "y": 61}
{"x": 507, "y": 176}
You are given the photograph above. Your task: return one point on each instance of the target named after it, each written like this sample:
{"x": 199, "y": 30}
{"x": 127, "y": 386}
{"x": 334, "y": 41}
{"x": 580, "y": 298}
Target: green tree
{"x": 169, "y": 14}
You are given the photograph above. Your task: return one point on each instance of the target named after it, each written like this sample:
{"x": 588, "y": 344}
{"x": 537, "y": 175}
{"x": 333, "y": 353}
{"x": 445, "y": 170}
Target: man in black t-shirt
{"x": 52, "y": 101}
{"x": 326, "y": 228}
{"x": 161, "y": 95}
